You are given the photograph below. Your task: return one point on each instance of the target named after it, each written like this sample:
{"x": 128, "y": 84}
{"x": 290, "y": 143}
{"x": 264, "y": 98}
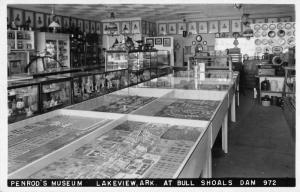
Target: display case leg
{"x": 225, "y": 134}
{"x": 207, "y": 171}
{"x": 233, "y": 104}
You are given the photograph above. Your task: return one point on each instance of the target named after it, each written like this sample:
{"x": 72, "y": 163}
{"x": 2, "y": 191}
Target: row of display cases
{"x": 27, "y": 98}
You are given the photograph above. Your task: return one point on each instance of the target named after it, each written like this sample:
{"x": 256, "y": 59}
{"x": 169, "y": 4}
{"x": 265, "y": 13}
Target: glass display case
{"x": 77, "y": 50}
{"x": 83, "y": 86}
{"x": 92, "y": 50}
{"x": 23, "y": 100}
{"x": 20, "y": 40}
{"x": 116, "y": 60}
{"x": 139, "y": 59}
{"x": 55, "y": 93}
{"x": 289, "y": 98}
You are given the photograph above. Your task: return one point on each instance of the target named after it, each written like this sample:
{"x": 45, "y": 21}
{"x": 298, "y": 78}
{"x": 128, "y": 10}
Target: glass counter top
{"x": 130, "y": 150}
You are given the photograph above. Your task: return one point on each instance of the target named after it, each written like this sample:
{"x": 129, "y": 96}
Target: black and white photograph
{"x": 177, "y": 96}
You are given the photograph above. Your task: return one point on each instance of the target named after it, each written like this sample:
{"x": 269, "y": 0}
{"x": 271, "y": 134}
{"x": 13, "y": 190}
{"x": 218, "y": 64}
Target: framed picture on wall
{"x": 162, "y": 29}
{"x": 143, "y": 27}
{"x": 246, "y": 27}
{"x": 158, "y": 41}
{"x": 172, "y": 28}
{"x": 167, "y": 42}
{"x": 66, "y": 21}
{"x": 285, "y": 19}
{"x": 150, "y": 41}
{"x": 224, "y": 26}
{"x": 213, "y": 27}
{"x": 73, "y": 22}
{"x": 93, "y": 27}
{"x": 29, "y": 21}
{"x": 125, "y": 27}
{"x": 17, "y": 15}
{"x": 181, "y": 28}
{"x": 80, "y": 25}
{"x": 272, "y": 20}
{"x": 58, "y": 19}
{"x": 148, "y": 28}
{"x": 48, "y": 20}
{"x": 262, "y": 20}
{"x": 192, "y": 28}
{"x": 39, "y": 20}
{"x": 202, "y": 27}
{"x": 105, "y": 28}
{"x": 98, "y": 27}
{"x": 135, "y": 27}
{"x": 236, "y": 25}
{"x": 86, "y": 26}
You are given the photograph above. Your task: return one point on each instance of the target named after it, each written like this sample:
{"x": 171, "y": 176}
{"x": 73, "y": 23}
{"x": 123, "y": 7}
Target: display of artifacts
{"x": 158, "y": 41}
{"x": 192, "y": 28}
{"x": 125, "y": 27}
{"x": 162, "y": 29}
{"x": 93, "y": 27}
{"x": 259, "y": 20}
{"x": 213, "y": 27}
{"x": 135, "y": 27}
{"x": 98, "y": 28}
{"x": 29, "y": 21}
{"x": 224, "y": 26}
{"x": 189, "y": 109}
{"x": 167, "y": 42}
{"x": 285, "y": 19}
{"x": 80, "y": 25}
{"x": 35, "y": 140}
{"x": 172, "y": 28}
{"x": 202, "y": 27}
{"x": 130, "y": 150}
{"x": 17, "y": 15}
{"x": 99, "y": 84}
{"x": 236, "y": 25}
{"x": 66, "y": 21}
{"x": 86, "y": 26}
{"x": 181, "y": 28}
{"x": 150, "y": 41}
{"x": 272, "y": 20}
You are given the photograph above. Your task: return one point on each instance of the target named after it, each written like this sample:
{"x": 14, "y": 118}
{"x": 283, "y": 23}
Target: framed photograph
{"x": 167, "y": 42}
{"x": 29, "y": 19}
{"x": 213, "y": 27}
{"x": 39, "y": 20}
{"x": 125, "y": 26}
{"x": 202, "y": 28}
{"x": 162, "y": 29}
{"x": 181, "y": 28}
{"x": 135, "y": 27}
{"x": 58, "y": 19}
{"x": 285, "y": 19}
{"x": 143, "y": 27}
{"x": 8, "y": 11}
{"x": 66, "y": 21}
{"x": 172, "y": 28}
{"x": 236, "y": 25}
{"x": 150, "y": 41}
{"x": 246, "y": 27}
{"x": 86, "y": 26}
{"x": 148, "y": 28}
{"x": 73, "y": 22}
{"x": 105, "y": 28}
{"x": 80, "y": 25}
{"x": 260, "y": 20}
{"x": 224, "y": 26}
{"x": 48, "y": 20}
{"x": 192, "y": 28}
{"x": 158, "y": 41}
{"x": 98, "y": 27}
{"x": 17, "y": 15}
{"x": 272, "y": 20}
{"x": 93, "y": 27}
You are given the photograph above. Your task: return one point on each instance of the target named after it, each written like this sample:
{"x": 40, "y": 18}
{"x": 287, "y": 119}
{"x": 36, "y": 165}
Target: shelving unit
{"x": 20, "y": 40}
{"x": 276, "y": 86}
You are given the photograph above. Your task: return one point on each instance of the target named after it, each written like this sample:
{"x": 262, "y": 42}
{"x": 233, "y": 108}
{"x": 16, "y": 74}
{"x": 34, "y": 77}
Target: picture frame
{"x": 39, "y": 20}
{"x": 192, "y": 28}
{"x": 29, "y": 19}
{"x": 224, "y": 26}
{"x": 73, "y": 22}
{"x": 148, "y": 28}
{"x": 213, "y": 27}
{"x": 47, "y": 20}
{"x": 104, "y": 27}
{"x": 246, "y": 27}
{"x": 135, "y": 27}
{"x": 17, "y": 17}
{"x": 98, "y": 27}
{"x": 285, "y": 19}
{"x": 93, "y": 26}
{"x": 172, "y": 28}
{"x": 202, "y": 27}
{"x": 167, "y": 42}
{"x": 80, "y": 25}
{"x": 86, "y": 26}
{"x": 236, "y": 25}
{"x": 162, "y": 29}
{"x": 118, "y": 27}
{"x": 150, "y": 41}
{"x": 158, "y": 41}
{"x": 143, "y": 27}
{"x": 260, "y": 20}
{"x": 272, "y": 20}
{"x": 124, "y": 25}
{"x": 58, "y": 19}
{"x": 66, "y": 21}
{"x": 181, "y": 28}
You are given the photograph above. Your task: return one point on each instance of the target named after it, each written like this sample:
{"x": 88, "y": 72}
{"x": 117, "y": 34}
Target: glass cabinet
{"x": 139, "y": 59}
{"x": 116, "y": 60}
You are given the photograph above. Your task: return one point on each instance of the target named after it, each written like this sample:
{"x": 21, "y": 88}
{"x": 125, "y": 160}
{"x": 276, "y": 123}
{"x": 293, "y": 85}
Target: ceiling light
{"x": 53, "y": 24}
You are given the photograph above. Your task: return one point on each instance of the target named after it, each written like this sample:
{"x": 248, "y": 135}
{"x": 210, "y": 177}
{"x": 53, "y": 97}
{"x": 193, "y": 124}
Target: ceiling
{"x": 157, "y": 12}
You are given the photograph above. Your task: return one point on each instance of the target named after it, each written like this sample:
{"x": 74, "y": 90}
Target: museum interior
{"x": 150, "y": 91}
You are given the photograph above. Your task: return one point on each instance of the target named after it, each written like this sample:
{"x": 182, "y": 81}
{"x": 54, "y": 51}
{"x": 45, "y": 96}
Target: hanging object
{"x": 53, "y": 24}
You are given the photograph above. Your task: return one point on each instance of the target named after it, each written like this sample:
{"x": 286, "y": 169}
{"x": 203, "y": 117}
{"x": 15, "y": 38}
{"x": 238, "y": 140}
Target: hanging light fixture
{"x": 53, "y": 24}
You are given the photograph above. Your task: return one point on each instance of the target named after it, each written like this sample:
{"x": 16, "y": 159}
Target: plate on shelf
{"x": 289, "y": 33}
{"x": 272, "y": 42}
{"x": 281, "y": 41}
{"x": 272, "y": 26}
{"x": 258, "y": 49}
{"x": 264, "y": 41}
{"x": 257, "y": 34}
{"x": 271, "y": 34}
{"x": 264, "y": 33}
{"x": 264, "y": 26}
{"x": 257, "y": 27}
{"x": 291, "y": 41}
{"x": 281, "y": 33}
{"x": 257, "y": 42}
{"x": 267, "y": 49}
{"x": 279, "y": 26}
{"x": 288, "y": 25}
